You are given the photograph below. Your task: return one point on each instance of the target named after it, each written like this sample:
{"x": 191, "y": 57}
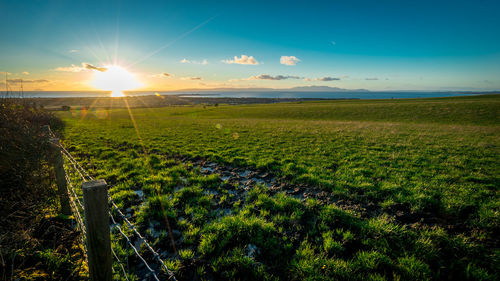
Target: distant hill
{"x": 324, "y": 89}
{"x": 294, "y": 89}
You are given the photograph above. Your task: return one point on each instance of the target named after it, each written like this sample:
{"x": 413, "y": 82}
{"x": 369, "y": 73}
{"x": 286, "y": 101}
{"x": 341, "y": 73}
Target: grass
{"x": 414, "y": 186}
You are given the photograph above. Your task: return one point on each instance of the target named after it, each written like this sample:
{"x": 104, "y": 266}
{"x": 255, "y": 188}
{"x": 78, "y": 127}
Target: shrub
{"x": 24, "y": 147}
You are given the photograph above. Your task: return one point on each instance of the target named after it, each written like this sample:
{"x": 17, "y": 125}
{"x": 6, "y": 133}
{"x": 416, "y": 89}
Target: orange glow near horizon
{"x": 115, "y": 79}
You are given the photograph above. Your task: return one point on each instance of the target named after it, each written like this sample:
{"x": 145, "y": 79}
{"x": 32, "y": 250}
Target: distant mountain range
{"x": 294, "y": 89}
{"x": 324, "y": 89}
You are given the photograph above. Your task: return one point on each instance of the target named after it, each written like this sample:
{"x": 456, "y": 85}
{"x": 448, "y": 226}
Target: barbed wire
{"x": 72, "y": 189}
{"x": 120, "y": 263}
{"x": 66, "y": 153}
{"x": 72, "y": 194}
{"x": 76, "y": 168}
{"x": 117, "y": 226}
{"x": 155, "y": 254}
{"x": 82, "y": 229}
{"x": 78, "y": 217}
{"x": 82, "y": 170}
{"x": 85, "y": 177}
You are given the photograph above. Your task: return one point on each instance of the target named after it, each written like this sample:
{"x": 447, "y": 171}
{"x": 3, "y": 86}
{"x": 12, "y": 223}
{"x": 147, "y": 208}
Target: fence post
{"x": 95, "y": 201}
{"x": 62, "y": 188}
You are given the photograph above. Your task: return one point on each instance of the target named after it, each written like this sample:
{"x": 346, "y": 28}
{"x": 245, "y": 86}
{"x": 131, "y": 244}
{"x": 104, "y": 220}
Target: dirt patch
{"x": 242, "y": 179}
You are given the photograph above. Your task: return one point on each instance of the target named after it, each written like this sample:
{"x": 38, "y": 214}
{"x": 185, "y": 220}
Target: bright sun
{"x": 115, "y": 79}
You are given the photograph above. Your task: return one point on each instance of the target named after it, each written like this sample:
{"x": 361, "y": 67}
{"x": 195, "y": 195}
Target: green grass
{"x": 415, "y": 181}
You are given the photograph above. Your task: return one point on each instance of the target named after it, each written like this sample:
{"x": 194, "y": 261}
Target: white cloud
{"x": 203, "y": 62}
{"x": 249, "y": 60}
{"x": 270, "y": 77}
{"x": 26, "y": 73}
{"x": 162, "y": 75}
{"x": 289, "y": 60}
{"x": 371, "y": 78}
{"x": 73, "y": 51}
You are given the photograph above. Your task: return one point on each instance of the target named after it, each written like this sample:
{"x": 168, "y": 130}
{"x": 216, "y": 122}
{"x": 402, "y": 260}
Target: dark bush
{"x": 23, "y": 146}
{"x": 34, "y": 240}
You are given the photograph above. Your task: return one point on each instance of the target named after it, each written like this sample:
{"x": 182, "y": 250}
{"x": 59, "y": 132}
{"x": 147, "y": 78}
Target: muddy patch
{"x": 244, "y": 179}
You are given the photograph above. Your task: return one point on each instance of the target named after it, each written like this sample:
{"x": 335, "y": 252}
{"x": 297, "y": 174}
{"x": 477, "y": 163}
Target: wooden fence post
{"x": 95, "y": 201}
{"x": 62, "y": 185}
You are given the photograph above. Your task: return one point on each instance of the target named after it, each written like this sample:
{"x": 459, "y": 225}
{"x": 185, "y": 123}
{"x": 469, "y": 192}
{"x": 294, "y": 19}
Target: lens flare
{"x": 115, "y": 79}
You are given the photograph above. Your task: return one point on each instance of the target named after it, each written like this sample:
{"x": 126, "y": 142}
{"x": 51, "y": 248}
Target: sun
{"x": 115, "y": 79}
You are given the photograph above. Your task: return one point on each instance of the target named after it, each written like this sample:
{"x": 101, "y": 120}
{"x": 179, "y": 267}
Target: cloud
{"x": 289, "y": 60}
{"x": 371, "y": 78}
{"x": 5, "y": 72}
{"x": 92, "y": 67}
{"x": 270, "y": 77}
{"x": 326, "y": 79}
{"x": 26, "y": 73}
{"x": 191, "y": 78}
{"x": 72, "y": 68}
{"x": 249, "y": 60}
{"x": 333, "y": 43}
{"x": 26, "y": 81}
{"x": 203, "y": 62}
{"x": 162, "y": 75}
{"x": 85, "y": 66}
{"x": 73, "y": 51}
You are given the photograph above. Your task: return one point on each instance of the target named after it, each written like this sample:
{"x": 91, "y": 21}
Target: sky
{"x": 170, "y": 45}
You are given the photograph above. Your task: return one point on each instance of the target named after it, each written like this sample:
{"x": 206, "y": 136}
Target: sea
{"x": 251, "y": 94}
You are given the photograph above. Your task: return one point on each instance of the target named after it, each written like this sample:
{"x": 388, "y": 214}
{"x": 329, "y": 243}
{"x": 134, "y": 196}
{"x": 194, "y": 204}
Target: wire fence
{"x": 73, "y": 168}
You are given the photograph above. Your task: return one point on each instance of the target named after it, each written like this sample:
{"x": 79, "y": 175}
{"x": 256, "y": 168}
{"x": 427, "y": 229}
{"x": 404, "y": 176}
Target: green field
{"x": 347, "y": 190}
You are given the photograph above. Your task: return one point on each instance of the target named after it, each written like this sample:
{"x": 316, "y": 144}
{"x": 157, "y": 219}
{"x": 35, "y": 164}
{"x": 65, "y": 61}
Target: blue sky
{"x": 376, "y": 45}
